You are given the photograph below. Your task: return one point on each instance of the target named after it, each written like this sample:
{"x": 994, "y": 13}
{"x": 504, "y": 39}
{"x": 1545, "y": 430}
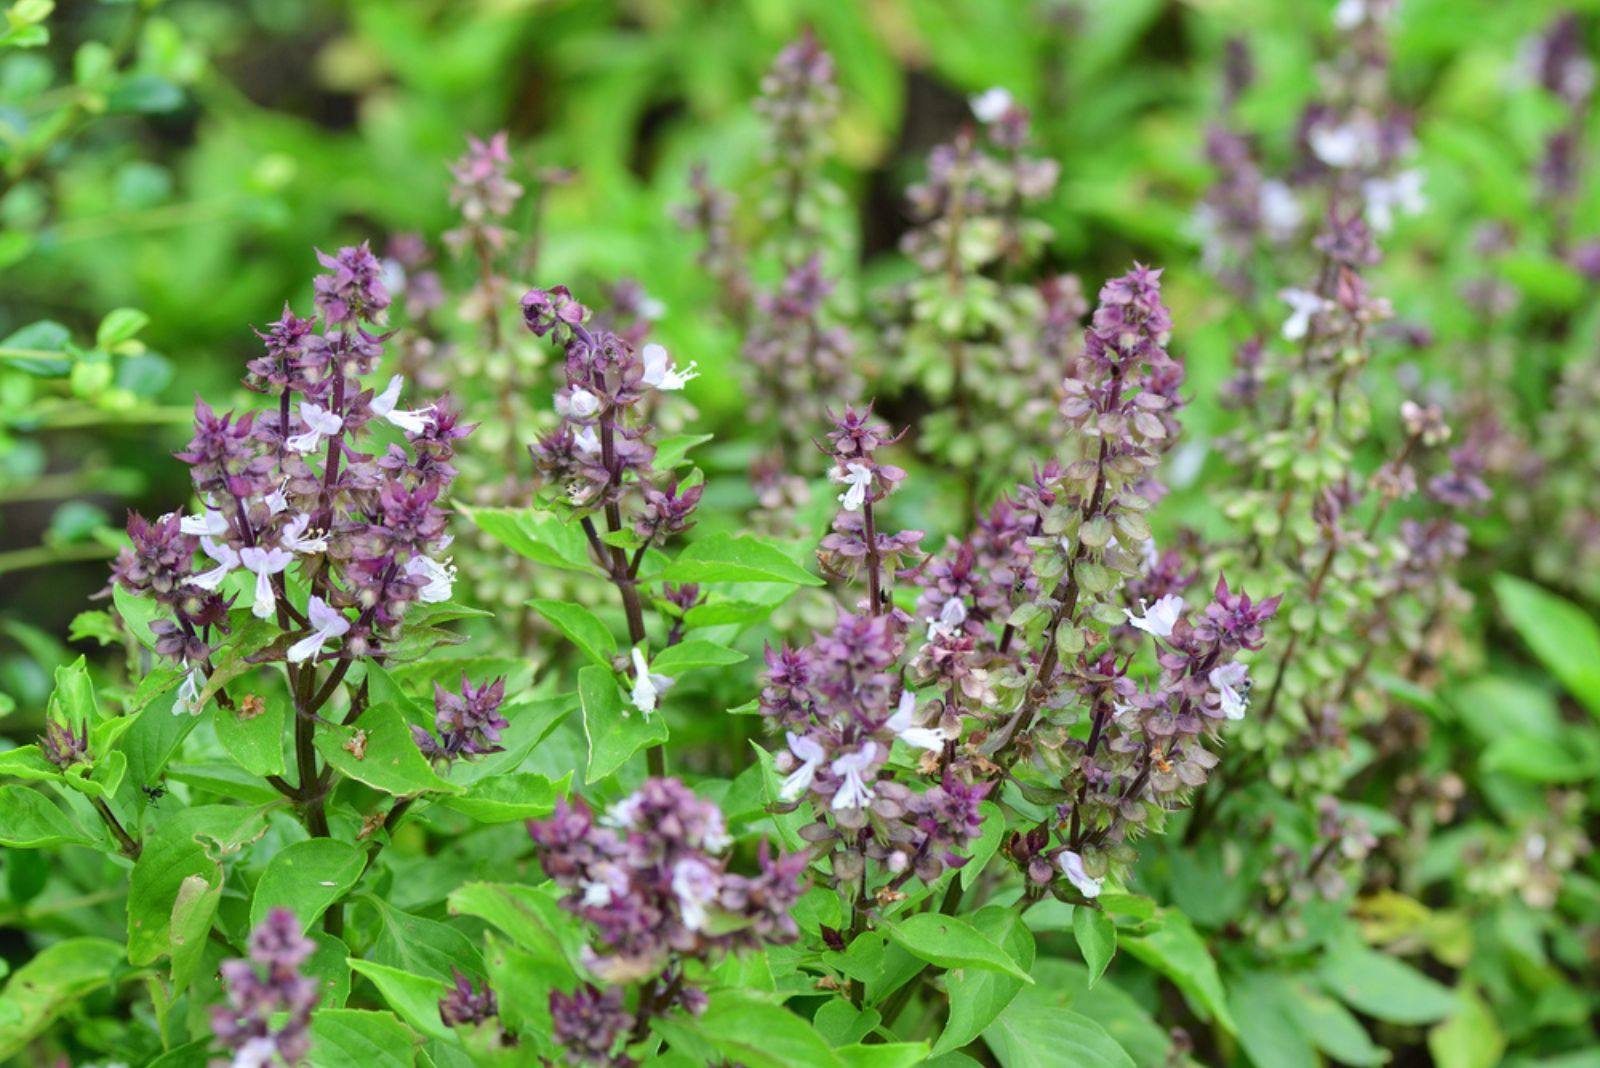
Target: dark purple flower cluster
{"x": 268, "y": 1015}
{"x": 468, "y": 723}
{"x": 463, "y": 1005}
{"x": 290, "y": 490}
{"x": 63, "y": 746}
{"x": 600, "y": 447}
{"x": 589, "y": 1024}
{"x": 650, "y": 880}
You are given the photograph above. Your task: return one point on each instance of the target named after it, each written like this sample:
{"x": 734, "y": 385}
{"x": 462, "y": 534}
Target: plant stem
{"x": 125, "y": 842}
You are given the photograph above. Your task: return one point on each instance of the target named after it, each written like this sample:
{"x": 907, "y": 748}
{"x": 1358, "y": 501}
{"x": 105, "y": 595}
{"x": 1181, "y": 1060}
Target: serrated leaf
{"x": 726, "y": 558}
{"x": 581, "y": 628}
{"x": 386, "y": 759}
{"x": 694, "y": 653}
{"x": 306, "y": 878}
{"x": 1097, "y": 939}
{"x": 615, "y": 731}
{"x": 951, "y": 943}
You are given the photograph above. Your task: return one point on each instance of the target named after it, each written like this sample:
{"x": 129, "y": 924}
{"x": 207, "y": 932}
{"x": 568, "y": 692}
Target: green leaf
{"x": 978, "y": 995}
{"x": 614, "y": 730}
{"x": 1572, "y": 756}
{"x": 1383, "y": 987}
{"x": 530, "y": 916}
{"x": 38, "y": 340}
{"x": 952, "y": 943}
{"x": 306, "y": 878}
{"x": 119, "y": 325}
{"x": 351, "y": 1038}
{"x": 170, "y": 857}
{"x": 72, "y": 700}
{"x": 30, "y": 820}
{"x": 884, "y": 1054}
{"x": 725, "y": 558}
{"x": 723, "y": 613}
{"x": 1097, "y": 939}
{"x": 694, "y": 653}
{"x": 538, "y": 536}
{"x": 670, "y": 452}
{"x": 415, "y": 998}
{"x": 58, "y": 978}
{"x": 1037, "y": 1030}
{"x": 386, "y": 758}
{"x": 509, "y": 798}
{"x": 192, "y": 913}
{"x": 1334, "y": 1029}
{"x": 1176, "y": 951}
{"x": 759, "y": 1034}
{"x": 420, "y": 945}
{"x": 1562, "y": 635}
{"x": 1269, "y": 1028}
{"x": 256, "y": 743}
{"x": 581, "y": 628}
{"x": 1472, "y": 1038}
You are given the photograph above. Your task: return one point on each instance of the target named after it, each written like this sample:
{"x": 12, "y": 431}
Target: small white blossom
{"x": 583, "y": 404}
{"x": 414, "y": 421}
{"x": 651, "y": 309}
{"x": 1338, "y": 146}
{"x": 295, "y": 540}
{"x": 256, "y": 1053}
{"x": 659, "y": 372}
{"x": 1160, "y": 618}
{"x": 189, "y": 693}
{"x": 695, "y": 886}
{"x": 211, "y": 524}
{"x": 264, "y": 563}
{"x": 903, "y": 724}
{"x": 327, "y": 623}
{"x": 587, "y": 441}
{"x": 952, "y": 617}
{"x": 439, "y": 578}
{"x": 647, "y": 688}
{"x": 1232, "y": 682}
{"x": 1303, "y": 304}
{"x": 320, "y": 423}
{"x": 1281, "y": 214}
{"x": 1072, "y": 867}
{"x": 1387, "y": 196}
{"x": 854, "y": 791}
{"x": 226, "y": 559}
{"x": 811, "y": 756}
{"x": 991, "y": 104}
{"x": 857, "y": 477}
{"x": 277, "y": 503}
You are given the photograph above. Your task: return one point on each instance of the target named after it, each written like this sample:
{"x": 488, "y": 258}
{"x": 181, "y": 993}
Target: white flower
{"x": 811, "y": 756}
{"x": 951, "y": 619}
{"x": 1337, "y": 146}
{"x": 646, "y": 687}
{"x": 587, "y": 440}
{"x": 583, "y": 404}
{"x": 439, "y": 578}
{"x": 277, "y": 503}
{"x": 1385, "y": 196}
{"x": 1347, "y": 14}
{"x": 1232, "y": 682}
{"x": 854, "y": 791}
{"x": 1072, "y": 867}
{"x": 903, "y": 724}
{"x": 609, "y": 882}
{"x": 660, "y": 373}
{"x": 1160, "y": 619}
{"x": 211, "y": 523}
{"x": 991, "y": 104}
{"x": 1303, "y": 304}
{"x": 256, "y": 1053}
{"x": 320, "y": 423}
{"x": 715, "y": 838}
{"x": 294, "y": 537}
{"x": 226, "y": 560}
{"x": 327, "y": 623}
{"x": 651, "y": 309}
{"x": 695, "y": 886}
{"x": 414, "y": 421}
{"x": 624, "y": 814}
{"x": 264, "y": 563}
{"x": 857, "y": 477}
{"x": 1281, "y": 213}
{"x": 189, "y": 693}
